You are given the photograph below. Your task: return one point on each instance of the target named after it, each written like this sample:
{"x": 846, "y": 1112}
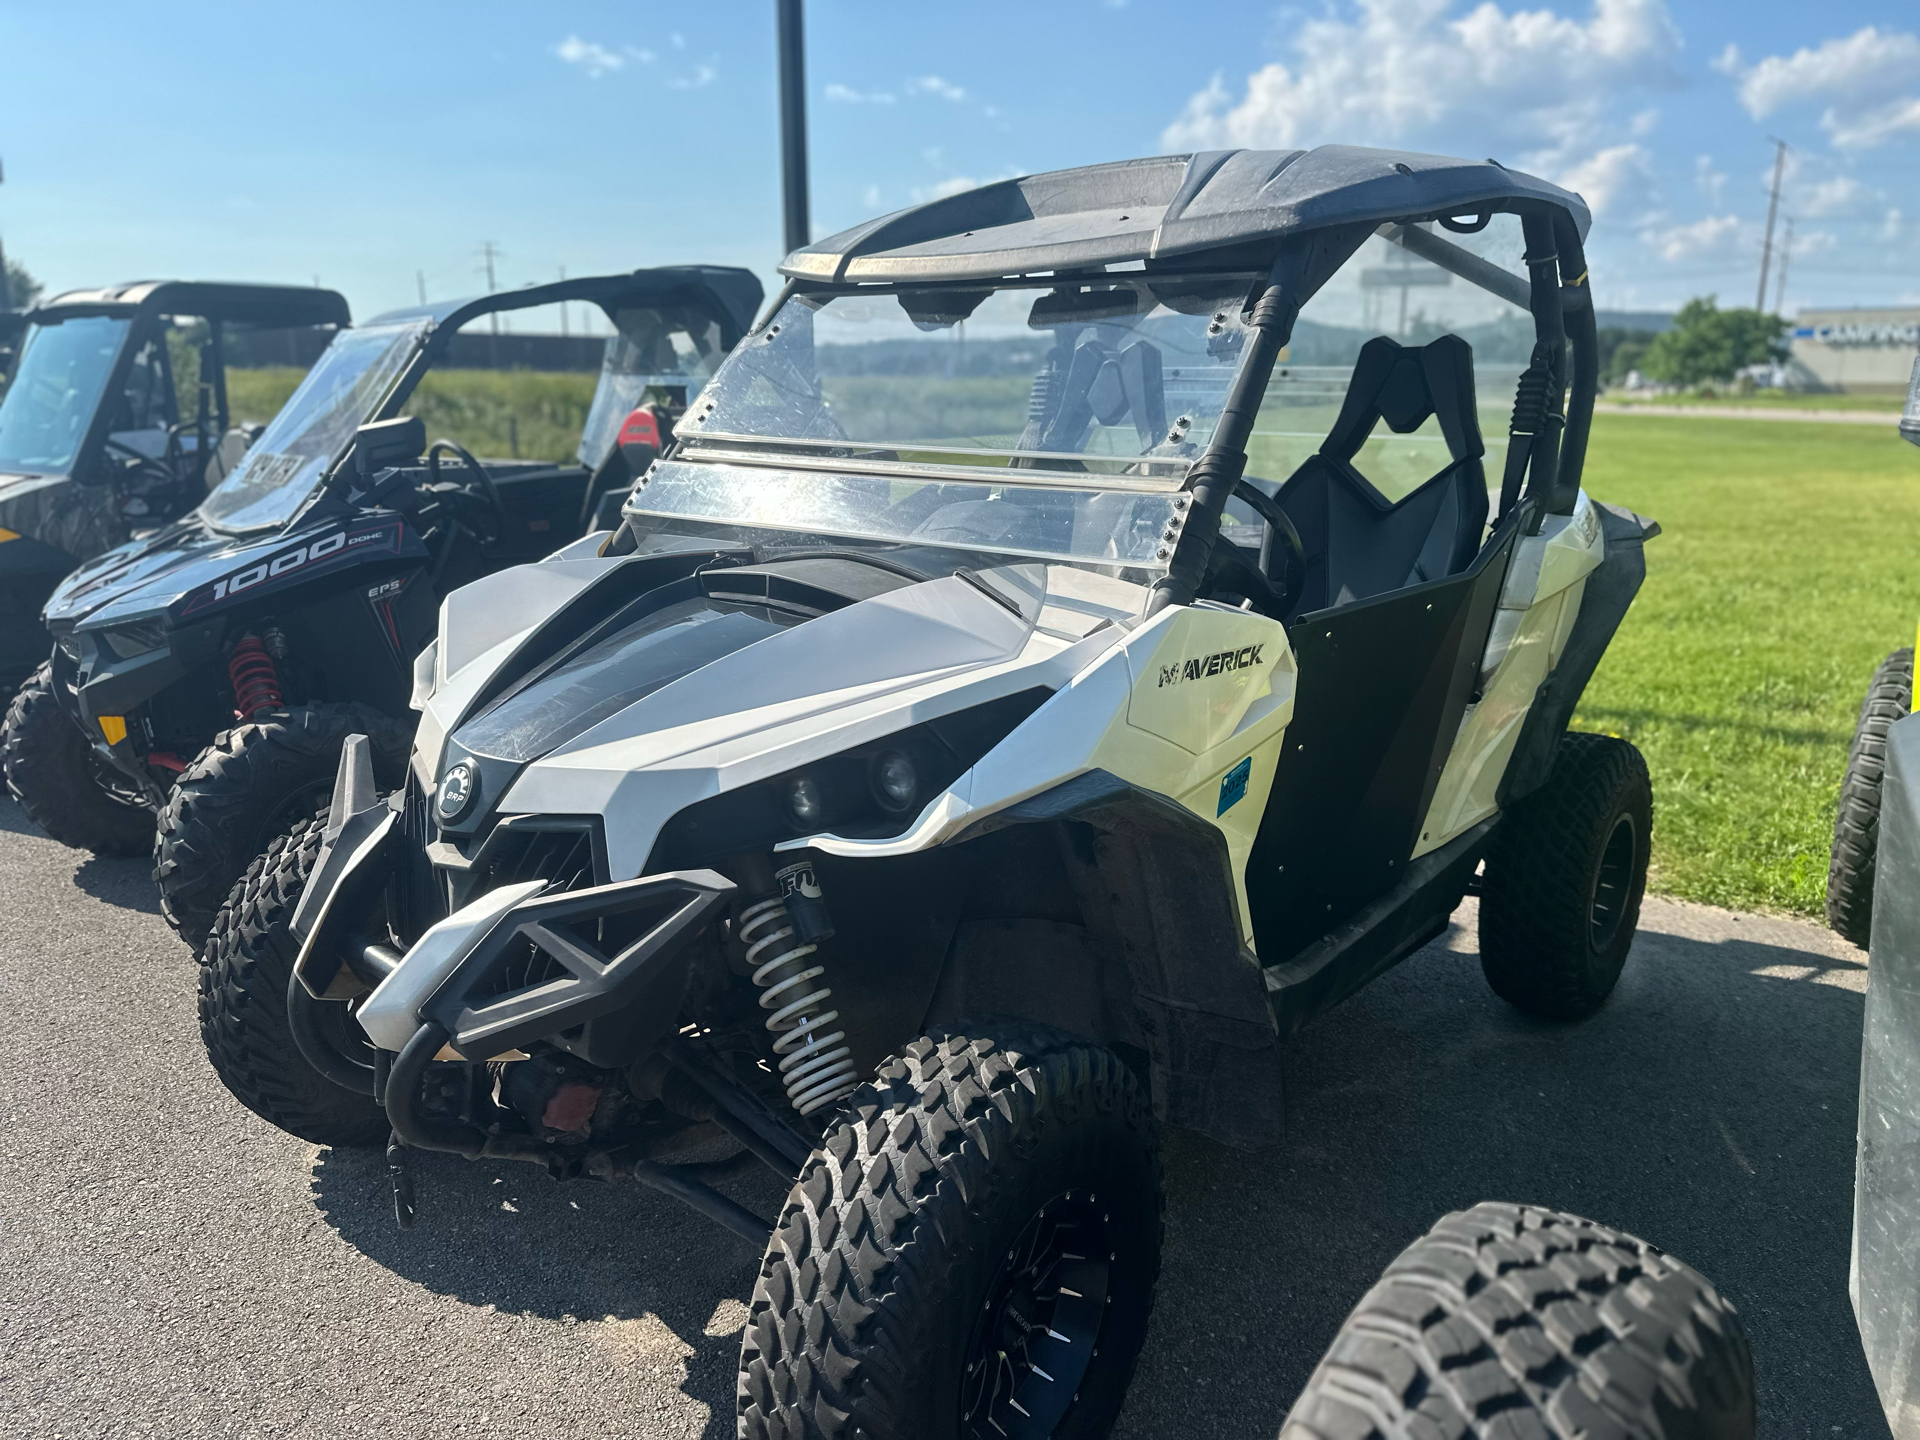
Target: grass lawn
{"x": 1789, "y": 567}
{"x": 497, "y": 414}
{"x": 1761, "y": 400}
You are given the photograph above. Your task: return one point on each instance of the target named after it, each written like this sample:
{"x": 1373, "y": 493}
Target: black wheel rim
{"x": 300, "y": 806}
{"x": 1039, "y": 1326}
{"x": 1612, "y": 884}
{"x": 117, "y": 787}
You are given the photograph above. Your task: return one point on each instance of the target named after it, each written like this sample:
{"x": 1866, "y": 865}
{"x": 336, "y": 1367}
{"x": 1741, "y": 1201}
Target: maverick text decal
{"x": 1207, "y": 665}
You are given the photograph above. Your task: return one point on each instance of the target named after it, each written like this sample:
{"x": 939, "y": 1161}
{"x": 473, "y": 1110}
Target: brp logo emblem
{"x": 458, "y": 790}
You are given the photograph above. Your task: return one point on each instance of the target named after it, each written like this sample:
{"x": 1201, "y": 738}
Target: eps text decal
{"x": 1216, "y": 664}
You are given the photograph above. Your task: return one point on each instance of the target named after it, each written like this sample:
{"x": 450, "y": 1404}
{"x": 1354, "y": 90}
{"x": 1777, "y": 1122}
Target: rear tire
{"x": 1510, "y": 1321}
{"x": 919, "y": 1271}
{"x": 243, "y": 1007}
{"x": 53, "y": 772}
{"x": 1565, "y": 874}
{"x": 1856, "y": 826}
{"x": 254, "y": 782}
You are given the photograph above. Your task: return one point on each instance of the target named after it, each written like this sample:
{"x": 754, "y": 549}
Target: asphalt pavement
{"x": 171, "y": 1266}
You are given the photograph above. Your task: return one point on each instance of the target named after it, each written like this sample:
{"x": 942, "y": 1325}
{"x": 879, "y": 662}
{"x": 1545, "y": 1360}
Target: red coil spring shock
{"x": 256, "y": 684}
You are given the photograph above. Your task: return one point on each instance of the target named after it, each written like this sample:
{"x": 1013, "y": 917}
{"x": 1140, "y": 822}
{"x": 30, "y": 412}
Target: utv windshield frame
{"x": 1295, "y": 267}
{"x": 140, "y": 304}
{"x": 728, "y": 296}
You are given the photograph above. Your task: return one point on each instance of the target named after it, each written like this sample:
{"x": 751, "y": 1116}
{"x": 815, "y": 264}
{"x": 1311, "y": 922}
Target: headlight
{"x": 806, "y": 801}
{"x": 127, "y": 641}
{"x": 895, "y": 781}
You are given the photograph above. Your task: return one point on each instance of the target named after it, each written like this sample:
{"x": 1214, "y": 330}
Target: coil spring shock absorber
{"x": 814, "y": 1066}
{"x": 255, "y": 681}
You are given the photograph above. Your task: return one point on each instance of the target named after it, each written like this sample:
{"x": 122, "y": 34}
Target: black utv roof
{"x": 736, "y": 292}
{"x": 1166, "y": 206}
{"x": 266, "y": 305}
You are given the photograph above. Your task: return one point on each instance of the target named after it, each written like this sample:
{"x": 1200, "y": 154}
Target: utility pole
{"x": 793, "y": 124}
{"x": 563, "y": 307}
{"x": 420, "y": 282}
{"x": 1773, "y": 207}
{"x": 6, "y": 283}
{"x": 489, "y": 253}
{"x": 1786, "y": 254}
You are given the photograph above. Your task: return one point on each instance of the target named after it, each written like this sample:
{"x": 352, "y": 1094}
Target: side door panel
{"x": 1383, "y": 685}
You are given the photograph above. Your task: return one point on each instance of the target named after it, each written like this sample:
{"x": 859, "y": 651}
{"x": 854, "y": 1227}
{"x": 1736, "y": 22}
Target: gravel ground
{"x": 171, "y": 1266}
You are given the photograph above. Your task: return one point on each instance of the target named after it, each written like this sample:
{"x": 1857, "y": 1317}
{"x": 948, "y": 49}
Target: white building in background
{"x": 1865, "y": 350}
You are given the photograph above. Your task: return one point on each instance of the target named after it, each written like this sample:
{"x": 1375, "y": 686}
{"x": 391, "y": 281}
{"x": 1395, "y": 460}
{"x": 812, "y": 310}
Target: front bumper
{"x": 460, "y": 973}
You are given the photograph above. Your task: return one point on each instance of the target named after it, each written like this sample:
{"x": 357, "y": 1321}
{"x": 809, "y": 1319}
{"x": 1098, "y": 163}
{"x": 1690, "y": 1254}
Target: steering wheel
{"x": 157, "y": 469}
{"x": 487, "y": 485}
{"x": 1279, "y": 527}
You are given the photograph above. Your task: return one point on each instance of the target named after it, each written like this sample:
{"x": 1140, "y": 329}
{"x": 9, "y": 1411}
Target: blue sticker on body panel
{"x": 1233, "y": 786}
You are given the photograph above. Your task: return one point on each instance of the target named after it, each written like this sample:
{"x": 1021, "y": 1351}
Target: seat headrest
{"x": 1403, "y": 385}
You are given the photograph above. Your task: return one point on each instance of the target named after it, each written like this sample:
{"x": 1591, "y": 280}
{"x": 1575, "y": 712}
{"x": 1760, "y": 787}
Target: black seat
{"x": 1358, "y": 543}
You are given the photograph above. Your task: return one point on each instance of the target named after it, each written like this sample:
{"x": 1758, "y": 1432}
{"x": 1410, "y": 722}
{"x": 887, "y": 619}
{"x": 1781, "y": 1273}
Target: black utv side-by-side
{"x": 117, "y": 420}
{"x": 211, "y": 672}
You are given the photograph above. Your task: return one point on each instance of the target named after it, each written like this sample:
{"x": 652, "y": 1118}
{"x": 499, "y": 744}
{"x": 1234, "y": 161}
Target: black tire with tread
{"x": 235, "y": 796}
{"x": 50, "y": 769}
{"x": 1525, "y": 1324}
{"x": 1538, "y": 893}
{"x": 891, "y": 1235}
{"x": 243, "y": 1005}
{"x": 1856, "y": 825}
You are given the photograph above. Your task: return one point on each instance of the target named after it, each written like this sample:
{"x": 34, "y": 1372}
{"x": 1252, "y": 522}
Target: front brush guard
{"x": 649, "y": 973}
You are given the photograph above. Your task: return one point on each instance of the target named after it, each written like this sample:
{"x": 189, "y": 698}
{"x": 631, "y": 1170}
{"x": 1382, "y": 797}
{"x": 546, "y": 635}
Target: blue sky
{"x": 374, "y": 145}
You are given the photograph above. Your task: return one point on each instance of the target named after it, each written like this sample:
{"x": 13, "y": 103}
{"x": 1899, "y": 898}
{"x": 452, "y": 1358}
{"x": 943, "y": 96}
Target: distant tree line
{"x": 22, "y": 287}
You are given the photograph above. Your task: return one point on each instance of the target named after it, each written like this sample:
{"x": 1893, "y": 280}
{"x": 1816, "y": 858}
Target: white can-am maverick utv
{"x": 934, "y": 783}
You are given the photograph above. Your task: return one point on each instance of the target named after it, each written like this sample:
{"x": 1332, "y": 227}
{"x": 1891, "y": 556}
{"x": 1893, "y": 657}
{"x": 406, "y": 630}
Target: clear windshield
{"x": 660, "y": 355}
{"x": 294, "y": 453}
{"x": 1043, "y": 419}
{"x": 56, "y": 389}
{"x": 1040, "y": 376}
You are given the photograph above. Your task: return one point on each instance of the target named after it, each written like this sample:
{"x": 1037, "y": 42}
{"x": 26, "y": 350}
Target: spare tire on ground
{"x": 1856, "y": 825}
{"x": 1511, "y": 1321}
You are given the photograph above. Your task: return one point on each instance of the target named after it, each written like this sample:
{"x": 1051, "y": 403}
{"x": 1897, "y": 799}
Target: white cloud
{"x": 594, "y": 58}
{"x": 934, "y": 85}
{"x": 1405, "y": 68}
{"x": 702, "y": 76}
{"x": 1713, "y": 236}
{"x": 1885, "y": 123}
{"x": 1533, "y": 87}
{"x": 871, "y": 198}
{"x": 940, "y": 189}
{"x": 847, "y": 95}
{"x": 1867, "y": 79}
{"x": 1890, "y": 225}
{"x": 1711, "y": 181}
{"x": 1828, "y": 197}
{"x": 1602, "y": 177}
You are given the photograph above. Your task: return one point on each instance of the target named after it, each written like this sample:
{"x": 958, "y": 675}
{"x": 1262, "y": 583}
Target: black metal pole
{"x": 6, "y": 283}
{"x": 793, "y": 125}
